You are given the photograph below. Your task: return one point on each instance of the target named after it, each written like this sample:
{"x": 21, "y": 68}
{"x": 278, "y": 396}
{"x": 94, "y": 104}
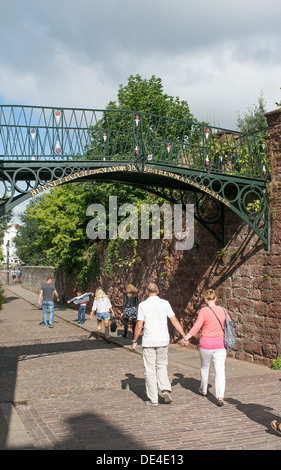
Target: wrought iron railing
{"x": 62, "y": 134}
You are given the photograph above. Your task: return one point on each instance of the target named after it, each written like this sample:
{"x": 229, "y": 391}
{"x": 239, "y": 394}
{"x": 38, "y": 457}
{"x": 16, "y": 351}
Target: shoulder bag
{"x": 228, "y": 329}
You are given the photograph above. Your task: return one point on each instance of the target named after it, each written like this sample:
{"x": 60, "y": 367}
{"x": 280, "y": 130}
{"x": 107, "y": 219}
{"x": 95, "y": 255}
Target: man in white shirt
{"x": 152, "y": 317}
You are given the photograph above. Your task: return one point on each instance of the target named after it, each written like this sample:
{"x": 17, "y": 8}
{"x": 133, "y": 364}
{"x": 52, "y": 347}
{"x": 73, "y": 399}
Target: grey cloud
{"x": 77, "y": 49}
{"x": 98, "y": 31}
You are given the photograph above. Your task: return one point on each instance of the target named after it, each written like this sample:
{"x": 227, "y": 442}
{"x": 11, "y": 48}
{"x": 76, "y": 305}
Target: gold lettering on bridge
{"x": 127, "y": 167}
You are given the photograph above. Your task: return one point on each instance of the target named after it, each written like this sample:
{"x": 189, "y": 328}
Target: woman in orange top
{"x": 211, "y": 344}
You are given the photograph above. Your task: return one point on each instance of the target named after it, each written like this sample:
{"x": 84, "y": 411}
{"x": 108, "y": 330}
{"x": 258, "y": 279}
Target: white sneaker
{"x": 167, "y": 397}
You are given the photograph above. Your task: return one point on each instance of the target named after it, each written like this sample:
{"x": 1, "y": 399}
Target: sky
{"x": 218, "y": 55}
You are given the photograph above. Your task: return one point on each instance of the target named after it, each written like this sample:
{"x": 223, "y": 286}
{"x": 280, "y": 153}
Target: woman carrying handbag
{"x": 130, "y": 308}
{"x": 211, "y": 344}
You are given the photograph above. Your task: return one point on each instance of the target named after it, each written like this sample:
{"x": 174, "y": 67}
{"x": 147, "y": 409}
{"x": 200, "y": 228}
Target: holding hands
{"x": 185, "y": 340}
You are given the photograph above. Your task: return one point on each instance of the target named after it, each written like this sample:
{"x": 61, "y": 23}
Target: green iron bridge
{"x": 184, "y": 162}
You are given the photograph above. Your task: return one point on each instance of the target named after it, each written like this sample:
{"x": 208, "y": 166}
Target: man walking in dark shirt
{"x": 47, "y": 292}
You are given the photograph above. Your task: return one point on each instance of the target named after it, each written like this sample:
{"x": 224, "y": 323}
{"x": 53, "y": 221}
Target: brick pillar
{"x": 274, "y": 125}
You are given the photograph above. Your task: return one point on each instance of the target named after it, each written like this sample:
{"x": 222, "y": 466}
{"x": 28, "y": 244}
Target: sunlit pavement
{"x": 63, "y": 389}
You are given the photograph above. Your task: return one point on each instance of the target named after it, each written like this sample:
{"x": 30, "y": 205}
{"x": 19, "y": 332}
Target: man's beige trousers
{"x": 155, "y": 371}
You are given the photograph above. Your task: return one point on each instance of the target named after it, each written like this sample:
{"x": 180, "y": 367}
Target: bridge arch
{"x": 174, "y": 186}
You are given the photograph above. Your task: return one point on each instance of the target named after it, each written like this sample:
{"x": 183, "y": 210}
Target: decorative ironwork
{"x": 207, "y": 210}
{"x": 43, "y": 147}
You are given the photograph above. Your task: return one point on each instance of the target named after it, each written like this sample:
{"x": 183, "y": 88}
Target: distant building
{"x": 9, "y": 235}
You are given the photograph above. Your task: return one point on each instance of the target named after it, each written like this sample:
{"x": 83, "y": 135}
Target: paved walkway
{"x": 63, "y": 389}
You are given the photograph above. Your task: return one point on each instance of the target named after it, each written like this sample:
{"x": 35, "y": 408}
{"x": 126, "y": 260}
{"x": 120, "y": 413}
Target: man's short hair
{"x": 152, "y": 288}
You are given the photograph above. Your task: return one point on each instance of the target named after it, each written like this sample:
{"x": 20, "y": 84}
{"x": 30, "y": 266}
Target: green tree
{"x": 53, "y": 229}
{"x": 253, "y": 120}
{"x": 147, "y": 95}
{"x": 4, "y": 223}
{"x": 144, "y": 97}
{"x": 28, "y": 238}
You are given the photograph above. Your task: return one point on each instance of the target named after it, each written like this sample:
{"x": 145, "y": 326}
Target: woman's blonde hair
{"x": 130, "y": 289}
{"x": 210, "y": 295}
{"x": 100, "y": 294}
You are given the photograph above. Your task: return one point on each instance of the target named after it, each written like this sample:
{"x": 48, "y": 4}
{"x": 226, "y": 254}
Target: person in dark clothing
{"x": 130, "y": 308}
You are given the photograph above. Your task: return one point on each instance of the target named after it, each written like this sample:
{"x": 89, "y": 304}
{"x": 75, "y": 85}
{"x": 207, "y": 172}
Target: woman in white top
{"x": 102, "y": 307}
